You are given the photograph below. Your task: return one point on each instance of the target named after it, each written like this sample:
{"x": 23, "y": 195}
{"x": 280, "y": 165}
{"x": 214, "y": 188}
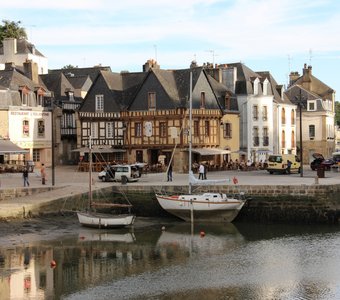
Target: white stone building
{"x": 19, "y": 51}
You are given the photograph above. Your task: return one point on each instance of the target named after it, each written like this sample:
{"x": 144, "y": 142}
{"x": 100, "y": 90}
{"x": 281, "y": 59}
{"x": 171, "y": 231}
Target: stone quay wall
{"x": 268, "y": 203}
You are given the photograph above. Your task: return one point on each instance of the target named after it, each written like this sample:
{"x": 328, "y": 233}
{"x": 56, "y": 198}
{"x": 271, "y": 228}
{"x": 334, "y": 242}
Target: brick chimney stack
{"x": 293, "y": 76}
{"x": 150, "y": 64}
{"x": 31, "y": 70}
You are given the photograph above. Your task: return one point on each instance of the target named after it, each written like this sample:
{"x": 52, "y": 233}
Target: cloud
{"x": 109, "y": 32}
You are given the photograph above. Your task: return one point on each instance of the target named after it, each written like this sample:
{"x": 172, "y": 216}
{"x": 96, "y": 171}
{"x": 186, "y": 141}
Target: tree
{"x": 69, "y": 67}
{"x": 337, "y": 113}
{"x": 11, "y": 29}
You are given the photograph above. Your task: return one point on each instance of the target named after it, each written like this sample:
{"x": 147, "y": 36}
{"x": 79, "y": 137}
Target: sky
{"x": 278, "y": 36}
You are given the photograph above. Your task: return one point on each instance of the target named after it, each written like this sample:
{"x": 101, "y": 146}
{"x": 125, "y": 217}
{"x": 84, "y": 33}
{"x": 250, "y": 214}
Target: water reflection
{"x": 202, "y": 239}
{"x": 243, "y": 261}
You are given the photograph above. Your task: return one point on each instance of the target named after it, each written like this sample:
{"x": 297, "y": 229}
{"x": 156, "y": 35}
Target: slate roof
{"x": 244, "y": 79}
{"x": 308, "y": 87}
{"x": 129, "y": 90}
{"x": 59, "y": 85}
{"x": 293, "y": 93}
{"x": 12, "y": 80}
{"x": 77, "y": 81}
{"x": 220, "y": 91}
{"x": 173, "y": 89}
{"x": 24, "y": 47}
{"x": 316, "y": 86}
{"x": 274, "y": 88}
{"x": 91, "y": 71}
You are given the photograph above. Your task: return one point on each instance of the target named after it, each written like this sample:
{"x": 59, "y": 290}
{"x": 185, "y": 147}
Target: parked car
{"x": 120, "y": 172}
{"x": 319, "y": 160}
{"x": 278, "y": 163}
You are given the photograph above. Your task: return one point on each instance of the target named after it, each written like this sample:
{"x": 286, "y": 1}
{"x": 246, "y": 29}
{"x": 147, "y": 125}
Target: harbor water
{"x": 173, "y": 260}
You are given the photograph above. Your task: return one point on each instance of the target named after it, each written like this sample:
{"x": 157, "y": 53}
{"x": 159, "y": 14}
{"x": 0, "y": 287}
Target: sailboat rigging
{"x": 91, "y": 218}
{"x": 204, "y": 207}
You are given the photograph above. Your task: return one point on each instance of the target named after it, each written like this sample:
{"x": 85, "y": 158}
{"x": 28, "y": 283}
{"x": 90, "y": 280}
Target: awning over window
{"x": 99, "y": 150}
{"x": 7, "y": 147}
{"x": 210, "y": 151}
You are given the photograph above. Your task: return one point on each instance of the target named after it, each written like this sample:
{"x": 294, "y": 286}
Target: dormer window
{"x": 152, "y": 100}
{"x": 256, "y": 86}
{"x": 99, "y": 103}
{"x": 40, "y": 96}
{"x": 311, "y": 105}
{"x": 265, "y": 87}
{"x": 24, "y": 92}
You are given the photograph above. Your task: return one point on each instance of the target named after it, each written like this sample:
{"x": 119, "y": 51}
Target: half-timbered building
{"x": 100, "y": 115}
{"x": 158, "y": 119}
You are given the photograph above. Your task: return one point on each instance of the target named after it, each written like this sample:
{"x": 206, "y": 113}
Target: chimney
{"x": 150, "y": 63}
{"x": 306, "y": 78}
{"x": 10, "y": 49}
{"x": 31, "y": 70}
{"x": 9, "y": 66}
{"x": 293, "y": 76}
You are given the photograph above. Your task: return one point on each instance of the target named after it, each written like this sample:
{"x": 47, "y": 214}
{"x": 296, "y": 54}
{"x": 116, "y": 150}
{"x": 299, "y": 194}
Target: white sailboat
{"x": 204, "y": 207}
{"x": 91, "y": 218}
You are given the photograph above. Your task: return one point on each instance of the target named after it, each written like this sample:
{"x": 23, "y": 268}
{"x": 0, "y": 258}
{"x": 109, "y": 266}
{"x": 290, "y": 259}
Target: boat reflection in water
{"x": 200, "y": 239}
{"x": 109, "y": 236}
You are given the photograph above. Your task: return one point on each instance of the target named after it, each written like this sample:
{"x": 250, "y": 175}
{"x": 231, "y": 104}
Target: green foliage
{"x": 69, "y": 67}
{"x": 337, "y": 113}
{"x": 11, "y": 29}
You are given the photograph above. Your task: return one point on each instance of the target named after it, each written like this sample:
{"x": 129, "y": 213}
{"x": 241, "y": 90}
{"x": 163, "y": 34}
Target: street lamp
{"x": 299, "y": 99}
{"x": 52, "y": 140}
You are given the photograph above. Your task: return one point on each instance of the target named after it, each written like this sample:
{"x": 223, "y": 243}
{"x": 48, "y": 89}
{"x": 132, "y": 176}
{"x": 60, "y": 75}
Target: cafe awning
{"x": 99, "y": 150}
{"x": 8, "y": 147}
{"x": 210, "y": 151}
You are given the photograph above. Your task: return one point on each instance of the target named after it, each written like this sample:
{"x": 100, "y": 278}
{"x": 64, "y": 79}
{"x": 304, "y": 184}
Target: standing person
{"x": 25, "y": 176}
{"x": 205, "y": 170}
{"x": 170, "y": 172}
{"x": 289, "y": 165}
{"x": 43, "y": 174}
{"x": 201, "y": 171}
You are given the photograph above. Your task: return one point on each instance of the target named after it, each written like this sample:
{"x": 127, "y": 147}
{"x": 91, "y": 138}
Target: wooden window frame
{"x": 99, "y": 103}
{"x": 152, "y": 100}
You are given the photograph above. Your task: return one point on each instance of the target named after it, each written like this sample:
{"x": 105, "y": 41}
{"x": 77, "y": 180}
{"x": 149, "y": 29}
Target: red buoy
{"x": 53, "y": 264}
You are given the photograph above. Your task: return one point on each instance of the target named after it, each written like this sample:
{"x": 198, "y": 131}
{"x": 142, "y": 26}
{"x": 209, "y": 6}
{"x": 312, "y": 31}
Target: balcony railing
{"x": 70, "y": 105}
{"x": 256, "y": 141}
{"x": 68, "y": 131}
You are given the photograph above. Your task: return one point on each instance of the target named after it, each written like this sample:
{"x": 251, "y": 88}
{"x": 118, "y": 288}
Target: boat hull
{"x": 97, "y": 220}
{"x": 222, "y": 211}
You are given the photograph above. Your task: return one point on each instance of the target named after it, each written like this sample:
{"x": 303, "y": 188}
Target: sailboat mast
{"x": 90, "y": 171}
{"x": 190, "y": 130}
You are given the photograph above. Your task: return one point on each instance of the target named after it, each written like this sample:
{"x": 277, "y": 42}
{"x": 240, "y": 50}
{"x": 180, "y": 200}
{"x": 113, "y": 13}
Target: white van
{"x": 116, "y": 172}
{"x": 277, "y": 163}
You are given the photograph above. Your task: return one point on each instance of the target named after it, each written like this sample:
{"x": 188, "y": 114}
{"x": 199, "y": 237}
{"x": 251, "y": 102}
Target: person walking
{"x": 25, "y": 176}
{"x": 201, "y": 171}
{"x": 289, "y": 165}
{"x": 43, "y": 174}
{"x": 170, "y": 172}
